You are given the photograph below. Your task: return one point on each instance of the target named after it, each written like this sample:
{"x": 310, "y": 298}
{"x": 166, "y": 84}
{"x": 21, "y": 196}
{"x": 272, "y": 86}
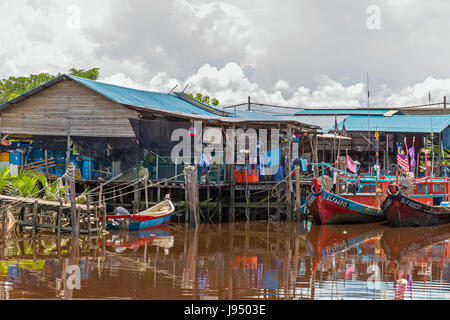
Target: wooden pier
{"x": 38, "y": 214}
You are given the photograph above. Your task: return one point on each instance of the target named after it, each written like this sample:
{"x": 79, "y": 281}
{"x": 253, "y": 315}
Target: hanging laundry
{"x": 204, "y": 163}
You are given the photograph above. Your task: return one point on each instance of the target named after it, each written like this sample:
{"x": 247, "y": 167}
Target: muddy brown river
{"x": 244, "y": 260}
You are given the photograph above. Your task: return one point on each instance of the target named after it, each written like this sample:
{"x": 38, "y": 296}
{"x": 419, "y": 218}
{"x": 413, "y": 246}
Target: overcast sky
{"x": 294, "y": 53}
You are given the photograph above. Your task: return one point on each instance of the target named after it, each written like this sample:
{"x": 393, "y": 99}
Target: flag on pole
{"x": 350, "y": 165}
{"x": 411, "y": 152}
{"x": 402, "y": 158}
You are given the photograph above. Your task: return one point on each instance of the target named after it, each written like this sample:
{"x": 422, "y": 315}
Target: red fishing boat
{"x": 361, "y": 206}
{"x": 427, "y": 206}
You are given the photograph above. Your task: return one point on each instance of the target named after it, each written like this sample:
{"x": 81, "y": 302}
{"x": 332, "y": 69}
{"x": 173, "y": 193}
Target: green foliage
{"x": 53, "y": 192}
{"x": 24, "y": 185}
{"x": 28, "y": 184}
{"x": 15, "y": 86}
{"x": 204, "y": 99}
{"x": 91, "y": 74}
{"x": 4, "y": 174}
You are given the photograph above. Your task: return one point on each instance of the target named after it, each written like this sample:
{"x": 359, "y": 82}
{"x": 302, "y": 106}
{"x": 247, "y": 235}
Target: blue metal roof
{"x": 398, "y": 123}
{"x": 132, "y": 97}
{"x": 342, "y": 112}
{"x": 142, "y": 98}
{"x": 251, "y": 115}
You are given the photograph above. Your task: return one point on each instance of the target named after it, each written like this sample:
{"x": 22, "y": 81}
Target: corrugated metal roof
{"x": 132, "y": 97}
{"x": 325, "y": 122}
{"x": 251, "y": 115}
{"x": 348, "y": 112}
{"x": 398, "y": 123}
{"x": 142, "y": 98}
{"x": 164, "y": 102}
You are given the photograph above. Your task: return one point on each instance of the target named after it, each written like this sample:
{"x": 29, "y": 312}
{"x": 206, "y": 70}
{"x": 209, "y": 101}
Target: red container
{"x": 246, "y": 176}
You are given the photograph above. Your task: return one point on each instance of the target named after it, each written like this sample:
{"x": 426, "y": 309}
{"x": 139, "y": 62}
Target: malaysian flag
{"x": 402, "y": 158}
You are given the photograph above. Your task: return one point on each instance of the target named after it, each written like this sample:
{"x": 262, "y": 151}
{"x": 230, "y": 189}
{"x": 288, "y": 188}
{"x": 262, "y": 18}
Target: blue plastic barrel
{"x": 37, "y": 155}
{"x": 15, "y": 158}
{"x": 60, "y": 157}
{"x": 86, "y": 167}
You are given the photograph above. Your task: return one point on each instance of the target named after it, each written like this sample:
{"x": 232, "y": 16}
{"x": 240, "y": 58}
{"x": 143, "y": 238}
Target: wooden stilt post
{"x": 146, "y": 193}
{"x": 288, "y": 177}
{"x": 35, "y": 212}
{"x": 88, "y": 217}
{"x": 137, "y": 198}
{"x": 186, "y": 207}
{"x": 104, "y": 216}
{"x": 96, "y": 216}
{"x": 3, "y": 218}
{"x": 75, "y": 219}
{"x": 298, "y": 200}
{"x": 100, "y": 194}
{"x": 191, "y": 187}
{"x": 58, "y": 218}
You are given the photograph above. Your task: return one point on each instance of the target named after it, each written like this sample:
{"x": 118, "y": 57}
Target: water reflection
{"x": 253, "y": 260}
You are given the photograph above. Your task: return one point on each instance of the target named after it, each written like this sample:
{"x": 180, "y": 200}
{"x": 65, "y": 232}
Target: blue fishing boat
{"x": 154, "y": 217}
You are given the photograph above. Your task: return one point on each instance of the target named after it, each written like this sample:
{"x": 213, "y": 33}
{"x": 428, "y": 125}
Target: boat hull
{"x": 403, "y": 211}
{"x": 327, "y": 208}
{"x": 134, "y": 225}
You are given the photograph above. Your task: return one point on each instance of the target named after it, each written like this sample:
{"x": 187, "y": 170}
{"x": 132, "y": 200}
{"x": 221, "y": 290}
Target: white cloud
{"x": 230, "y": 86}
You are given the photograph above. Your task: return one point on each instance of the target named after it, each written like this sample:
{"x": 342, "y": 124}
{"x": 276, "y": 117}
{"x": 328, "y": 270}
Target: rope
{"x": 143, "y": 188}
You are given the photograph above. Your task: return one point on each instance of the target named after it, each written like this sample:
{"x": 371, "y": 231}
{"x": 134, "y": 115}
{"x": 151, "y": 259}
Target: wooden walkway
{"x": 50, "y": 215}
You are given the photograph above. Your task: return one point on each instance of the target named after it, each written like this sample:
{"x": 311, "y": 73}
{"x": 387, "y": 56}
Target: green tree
{"x": 91, "y": 74}
{"x": 15, "y": 86}
{"x": 204, "y": 99}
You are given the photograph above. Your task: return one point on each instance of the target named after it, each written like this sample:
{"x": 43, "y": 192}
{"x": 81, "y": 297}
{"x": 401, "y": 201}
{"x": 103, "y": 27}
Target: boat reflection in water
{"x": 243, "y": 260}
{"x": 132, "y": 240}
{"x": 419, "y": 258}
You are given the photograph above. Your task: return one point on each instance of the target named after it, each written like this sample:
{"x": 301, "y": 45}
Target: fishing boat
{"x": 154, "y": 217}
{"x": 359, "y": 207}
{"x": 427, "y": 206}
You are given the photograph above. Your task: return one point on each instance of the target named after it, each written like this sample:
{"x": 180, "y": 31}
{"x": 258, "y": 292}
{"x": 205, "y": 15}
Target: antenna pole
{"x": 368, "y": 116}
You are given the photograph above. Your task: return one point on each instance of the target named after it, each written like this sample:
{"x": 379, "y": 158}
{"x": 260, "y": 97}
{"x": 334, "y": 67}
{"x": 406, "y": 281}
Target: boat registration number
{"x": 337, "y": 201}
{"x": 411, "y": 204}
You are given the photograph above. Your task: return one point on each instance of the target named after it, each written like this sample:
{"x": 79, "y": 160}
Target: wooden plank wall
{"x": 68, "y": 108}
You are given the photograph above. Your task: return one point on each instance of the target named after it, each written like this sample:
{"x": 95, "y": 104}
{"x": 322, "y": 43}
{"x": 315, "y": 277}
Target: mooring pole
{"x": 190, "y": 174}
{"x": 298, "y": 199}
{"x": 288, "y": 175}
{"x": 3, "y": 219}
{"x": 74, "y": 215}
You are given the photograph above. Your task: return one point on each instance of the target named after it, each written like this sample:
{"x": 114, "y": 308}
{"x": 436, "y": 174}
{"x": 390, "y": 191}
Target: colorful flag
{"x": 411, "y": 152}
{"x": 402, "y": 158}
{"x": 350, "y": 165}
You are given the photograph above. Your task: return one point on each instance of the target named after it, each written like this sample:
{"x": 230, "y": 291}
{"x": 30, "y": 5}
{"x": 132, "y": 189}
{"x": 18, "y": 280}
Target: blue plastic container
{"x": 445, "y": 204}
{"x": 86, "y": 167}
{"x": 15, "y": 158}
{"x": 60, "y": 157}
{"x": 37, "y": 155}
{"x": 279, "y": 175}
{"x": 74, "y": 159}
